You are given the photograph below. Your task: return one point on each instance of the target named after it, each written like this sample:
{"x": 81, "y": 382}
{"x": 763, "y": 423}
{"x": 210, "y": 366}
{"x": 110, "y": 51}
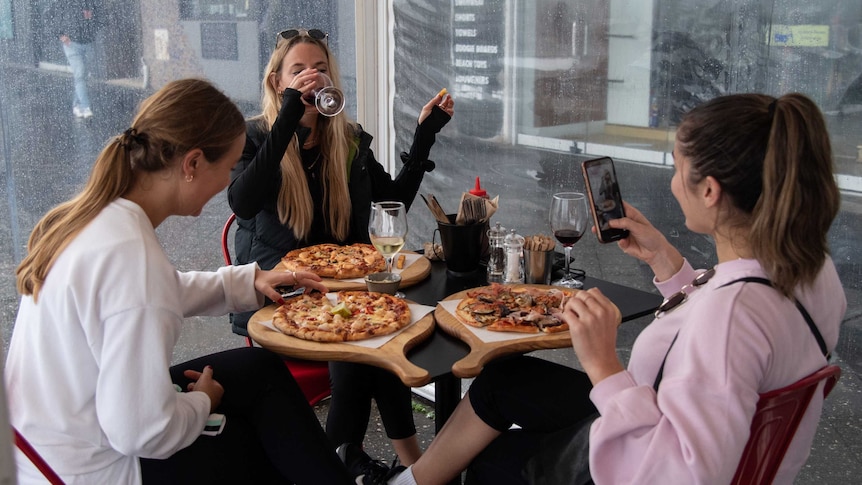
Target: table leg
{"x": 447, "y": 395}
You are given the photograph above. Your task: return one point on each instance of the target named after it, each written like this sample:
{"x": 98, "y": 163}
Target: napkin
{"x": 473, "y": 209}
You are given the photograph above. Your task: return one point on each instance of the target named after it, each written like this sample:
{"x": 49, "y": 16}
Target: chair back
{"x": 36, "y": 458}
{"x": 225, "y": 247}
{"x": 778, "y": 415}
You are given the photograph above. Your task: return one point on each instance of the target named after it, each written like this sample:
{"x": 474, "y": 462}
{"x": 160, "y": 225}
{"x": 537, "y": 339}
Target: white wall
{"x": 629, "y": 62}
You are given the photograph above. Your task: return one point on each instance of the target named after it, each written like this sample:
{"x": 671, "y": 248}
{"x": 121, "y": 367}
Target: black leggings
{"x": 539, "y": 396}
{"x": 271, "y": 434}
{"x": 353, "y": 387}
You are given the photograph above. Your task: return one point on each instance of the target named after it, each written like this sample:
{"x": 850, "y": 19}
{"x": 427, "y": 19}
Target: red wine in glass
{"x": 567, "y": 237}
{"x": 569, "y": 218}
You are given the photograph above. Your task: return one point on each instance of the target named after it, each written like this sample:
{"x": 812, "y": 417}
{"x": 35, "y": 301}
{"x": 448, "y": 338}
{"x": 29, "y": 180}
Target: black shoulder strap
{"x": 754, "y": 279}
{"x": 661, "y": 369}
{"x": 810, "y": 321}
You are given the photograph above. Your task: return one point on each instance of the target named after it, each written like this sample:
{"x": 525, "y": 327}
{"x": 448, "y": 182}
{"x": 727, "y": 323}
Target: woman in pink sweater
{"x": 754, "y": 173}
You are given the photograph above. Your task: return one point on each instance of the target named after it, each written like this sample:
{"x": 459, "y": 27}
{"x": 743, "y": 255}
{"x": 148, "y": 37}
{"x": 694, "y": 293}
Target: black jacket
{"x": 256, "y": 181}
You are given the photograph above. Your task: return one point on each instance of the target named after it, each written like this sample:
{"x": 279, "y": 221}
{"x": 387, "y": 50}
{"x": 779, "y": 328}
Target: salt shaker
{"x": 496, "y": 253}
{"x": 514, "y": 245}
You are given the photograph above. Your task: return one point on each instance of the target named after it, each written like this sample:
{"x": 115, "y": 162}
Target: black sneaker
{"x": 365, "y": 469}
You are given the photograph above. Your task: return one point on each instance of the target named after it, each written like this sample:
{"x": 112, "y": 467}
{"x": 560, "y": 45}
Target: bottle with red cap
{"x": 478, "y": 191}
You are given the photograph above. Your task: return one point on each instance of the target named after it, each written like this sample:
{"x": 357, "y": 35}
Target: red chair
{"x": 778, "y": 414}
{"x": 36, "y": 458}
{"x": 312, "y": 376}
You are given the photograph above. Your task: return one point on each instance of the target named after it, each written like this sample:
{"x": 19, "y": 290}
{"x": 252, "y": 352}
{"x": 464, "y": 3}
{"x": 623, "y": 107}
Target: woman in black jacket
{"x": 307, "y": 179}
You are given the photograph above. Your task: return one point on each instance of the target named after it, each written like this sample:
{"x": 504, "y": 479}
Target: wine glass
{"x": 328, "y": 99}
{"x": 387, "y": 229}
{"x": 569, "y": 218}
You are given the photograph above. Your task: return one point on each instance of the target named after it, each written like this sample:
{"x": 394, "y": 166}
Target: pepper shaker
{"x": 514, "y": 245}
{"x": 496, "y": 254}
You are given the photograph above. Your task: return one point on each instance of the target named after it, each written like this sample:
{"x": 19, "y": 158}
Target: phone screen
{"x": 606, "y": 202}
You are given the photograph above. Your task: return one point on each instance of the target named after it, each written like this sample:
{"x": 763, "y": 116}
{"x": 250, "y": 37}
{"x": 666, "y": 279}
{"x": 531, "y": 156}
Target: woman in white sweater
{"x": 88, "y": 367}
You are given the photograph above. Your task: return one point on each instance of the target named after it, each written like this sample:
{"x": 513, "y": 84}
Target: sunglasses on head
{"x": 315, "y": 34}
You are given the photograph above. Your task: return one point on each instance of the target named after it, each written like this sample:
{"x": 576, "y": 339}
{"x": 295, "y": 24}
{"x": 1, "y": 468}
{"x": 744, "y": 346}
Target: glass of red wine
{"x": 569, "y": 220}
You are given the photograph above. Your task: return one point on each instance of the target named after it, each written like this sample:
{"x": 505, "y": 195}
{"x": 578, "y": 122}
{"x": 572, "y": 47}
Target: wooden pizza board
{"x": 482, "y": 352}
{"x": 416, "y": 272}
{"x": 390, "y": 356}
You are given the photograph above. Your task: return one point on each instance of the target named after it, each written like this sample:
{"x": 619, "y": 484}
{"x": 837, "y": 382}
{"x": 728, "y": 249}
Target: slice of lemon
{"x": 341, "y": 309}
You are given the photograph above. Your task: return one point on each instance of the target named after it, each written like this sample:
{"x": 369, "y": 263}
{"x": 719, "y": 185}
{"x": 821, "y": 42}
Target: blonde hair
{"x": 773, "y": 159}
{"x": 183, "y": 115}
{"x": 294, "y": 204}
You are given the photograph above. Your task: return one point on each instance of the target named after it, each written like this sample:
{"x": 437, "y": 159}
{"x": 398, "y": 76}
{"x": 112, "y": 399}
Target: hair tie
{"x": 129, "y": 136}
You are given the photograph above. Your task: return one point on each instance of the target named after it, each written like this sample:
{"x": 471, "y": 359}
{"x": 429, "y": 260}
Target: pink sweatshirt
{"x": 734, "y": 343}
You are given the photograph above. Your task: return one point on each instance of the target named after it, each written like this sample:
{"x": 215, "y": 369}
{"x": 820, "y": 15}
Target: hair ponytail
{"x": 800, "y": 197}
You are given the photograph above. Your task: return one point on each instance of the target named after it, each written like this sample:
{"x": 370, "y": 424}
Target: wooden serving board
{"x": 416, "y": 272}
{"x": 482, "y": 352}
{"x": 390, "y": 356}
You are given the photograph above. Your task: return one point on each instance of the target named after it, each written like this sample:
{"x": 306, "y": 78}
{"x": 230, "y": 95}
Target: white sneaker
{"x": 77, "y": 112}
{"x": 86, "y": 113}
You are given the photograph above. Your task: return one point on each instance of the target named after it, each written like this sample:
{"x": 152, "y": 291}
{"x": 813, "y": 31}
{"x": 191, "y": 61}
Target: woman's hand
{"x": 647, "y": 243}
{"x": 444, "y": 102}
{"x": 304, "y": 82}
{"x": 265, "y": 282}
{"x": 205, "y": 383}
{"x": 593, "y": 320}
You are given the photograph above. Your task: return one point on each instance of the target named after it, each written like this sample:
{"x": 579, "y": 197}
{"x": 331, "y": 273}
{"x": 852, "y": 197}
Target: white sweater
{"x": 87, "y": 370}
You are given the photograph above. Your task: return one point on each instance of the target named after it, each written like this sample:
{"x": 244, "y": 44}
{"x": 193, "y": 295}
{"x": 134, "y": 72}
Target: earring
{"x": 189, "y": 178}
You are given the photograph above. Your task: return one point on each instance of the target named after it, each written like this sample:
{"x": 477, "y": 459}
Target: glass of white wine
{"x": 387, "y": 229}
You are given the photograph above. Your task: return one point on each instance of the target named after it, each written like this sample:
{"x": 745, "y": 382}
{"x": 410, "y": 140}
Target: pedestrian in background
{"x": 77, "y": 22}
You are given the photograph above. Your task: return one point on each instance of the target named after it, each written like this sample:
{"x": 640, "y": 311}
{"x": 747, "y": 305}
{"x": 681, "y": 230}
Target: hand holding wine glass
{"x": 328, "y": 99}
{"x": 387, "y": 229}
{"x": 569, "y": 218}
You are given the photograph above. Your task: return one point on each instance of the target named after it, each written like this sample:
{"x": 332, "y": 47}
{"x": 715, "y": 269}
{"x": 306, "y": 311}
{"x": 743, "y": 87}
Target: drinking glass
{"x": 328, "y": 99}
{"x": 569, "y": 220}
{"x": 387, "y": 229}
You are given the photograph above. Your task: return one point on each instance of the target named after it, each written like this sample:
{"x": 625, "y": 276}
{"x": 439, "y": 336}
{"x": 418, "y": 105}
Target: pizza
{"x": 334, "y": 261}
{"x": 358, "y": 315}
{"x": 525, "y": 309}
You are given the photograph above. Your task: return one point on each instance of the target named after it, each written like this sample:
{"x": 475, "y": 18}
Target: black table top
{"x": 440, "y": 351}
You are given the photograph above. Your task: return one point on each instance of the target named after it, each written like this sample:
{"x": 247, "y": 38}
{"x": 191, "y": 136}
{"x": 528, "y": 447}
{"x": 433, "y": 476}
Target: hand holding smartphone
{"x": 605, "y": 200}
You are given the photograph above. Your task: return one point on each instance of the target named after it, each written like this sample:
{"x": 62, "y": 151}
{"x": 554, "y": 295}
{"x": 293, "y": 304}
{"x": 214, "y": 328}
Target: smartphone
{"x": 605, "y": 200}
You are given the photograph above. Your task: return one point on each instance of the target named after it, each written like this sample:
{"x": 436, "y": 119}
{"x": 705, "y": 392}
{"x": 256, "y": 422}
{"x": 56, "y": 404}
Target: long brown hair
{"x": 183, "y": 115}
{"x": 335, "y": 134}
{"x": 773, "y": 158}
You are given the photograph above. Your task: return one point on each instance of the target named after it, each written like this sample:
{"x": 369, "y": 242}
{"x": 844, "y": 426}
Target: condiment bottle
{"x": 478, "y": 191}
{"x": 484, "y": 248}
{"x": 514, "y": 245}
{"x": 496, "y": 253}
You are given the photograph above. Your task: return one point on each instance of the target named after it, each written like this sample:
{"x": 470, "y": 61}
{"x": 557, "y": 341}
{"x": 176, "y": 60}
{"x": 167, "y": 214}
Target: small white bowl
{"x": 383, "y": 282}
